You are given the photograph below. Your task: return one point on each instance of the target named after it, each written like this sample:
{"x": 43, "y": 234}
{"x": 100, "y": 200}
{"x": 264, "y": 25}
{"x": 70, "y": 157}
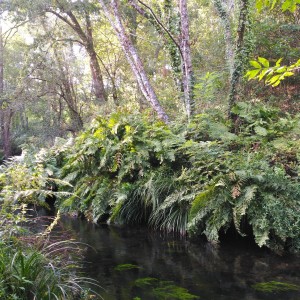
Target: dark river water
{"x": 140, "y": 264}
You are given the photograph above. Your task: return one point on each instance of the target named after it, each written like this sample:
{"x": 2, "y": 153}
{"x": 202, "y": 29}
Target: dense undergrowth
{"x": 200, "y": 179}
{"x": 37, "y": 266}
{"x": 35, "y": 263}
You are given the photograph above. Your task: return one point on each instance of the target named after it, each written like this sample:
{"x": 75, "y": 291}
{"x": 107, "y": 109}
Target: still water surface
{"x": 225, "y": 273}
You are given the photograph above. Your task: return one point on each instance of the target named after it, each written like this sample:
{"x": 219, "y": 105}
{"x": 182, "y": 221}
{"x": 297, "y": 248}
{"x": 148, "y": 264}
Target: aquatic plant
{"x": 167, "y": 290}
{"x": 275, "y": 286}
{"x": 158, "y": 289}
{"x": 125, "y": 267}
{"x": 146, "y": 281}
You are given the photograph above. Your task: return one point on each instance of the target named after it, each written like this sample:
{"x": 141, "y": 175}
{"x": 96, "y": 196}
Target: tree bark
{"x": 68, "y": 95}
{"x": 238, "y": 61}
{"x": 5, "y": 111}
{"x": 87, "y": 41}
{"x": 187, "y": 68}
{"x": 133, "y": 58}
{"x": 168, "y": 33}
{"x": 98, "y": 85}
{"x": 225, "y": 20}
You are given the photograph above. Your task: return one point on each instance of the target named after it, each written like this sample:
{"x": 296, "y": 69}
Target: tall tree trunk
{"x": 188, "y": 76}
{"x": 67, "y": 93}
{"x": 86, "y": 37}
{"x": 173, "y": 24}
{"x": 98, "y": 85}
{"x": 223, "y": 13}
{"x": 238, "y": 58}
{"x": 133, "y": 58}
{"x": 5, "y": 111}
{"x": 167, "y": 32}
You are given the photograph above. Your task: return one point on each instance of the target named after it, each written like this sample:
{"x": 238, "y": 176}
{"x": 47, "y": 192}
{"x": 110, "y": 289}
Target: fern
{"x": 200, "y": 178}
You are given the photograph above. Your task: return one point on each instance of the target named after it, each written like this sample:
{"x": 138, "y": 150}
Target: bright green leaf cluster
{"x": 272, "y": 75}
{"x": 286, "y": 5}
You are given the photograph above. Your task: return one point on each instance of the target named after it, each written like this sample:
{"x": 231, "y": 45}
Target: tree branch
{"x": 158, "y": 22}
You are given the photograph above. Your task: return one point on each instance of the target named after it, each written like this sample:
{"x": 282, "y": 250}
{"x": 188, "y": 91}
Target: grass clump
{"x": 36, "y": 266}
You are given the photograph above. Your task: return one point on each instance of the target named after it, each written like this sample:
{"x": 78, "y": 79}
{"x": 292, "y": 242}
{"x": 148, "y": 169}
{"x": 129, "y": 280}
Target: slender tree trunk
{"x": 238, "y": 58}
{"x": 67, "y": 93}
{"x": 173, "y": 21}
{"x": 133, "y": 58}
{"x": 188, "y": 76}
{"x": 5, "y": 112}
{"x": 167, "y": 32}
{"x": 180, "y": 54}
{"x": 225, "y": 20}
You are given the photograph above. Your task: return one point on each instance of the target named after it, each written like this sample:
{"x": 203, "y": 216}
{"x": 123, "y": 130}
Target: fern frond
{"x": 241, "y": 205}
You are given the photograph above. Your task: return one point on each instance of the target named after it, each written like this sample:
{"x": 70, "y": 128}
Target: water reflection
{"x": 225, "y": 273}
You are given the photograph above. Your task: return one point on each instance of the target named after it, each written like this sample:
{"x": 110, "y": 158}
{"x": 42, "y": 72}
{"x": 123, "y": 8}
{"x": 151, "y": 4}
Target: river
{"x": 136, "y": 263}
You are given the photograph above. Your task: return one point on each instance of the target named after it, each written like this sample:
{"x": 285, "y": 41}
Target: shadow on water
{"x": 140, "y": 264}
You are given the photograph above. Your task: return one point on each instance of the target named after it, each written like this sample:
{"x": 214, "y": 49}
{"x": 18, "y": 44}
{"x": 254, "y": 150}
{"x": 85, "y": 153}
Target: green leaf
{"x": 261, "y": 130}
{"x": 286, "y": 74}
{"x": 264, "y": 62}
{"x": 273, "y": 4}
{"x": 273, "y": 79}
{"x": 259, "y": 5}
{"x": 263, "y": 73}
{"x": 255, "y": 64}
{"x": 252, "y": 73}
{"x": 276, "y": 83}
{"x": 281, "y": 69}
{"x": 278, "y": 62}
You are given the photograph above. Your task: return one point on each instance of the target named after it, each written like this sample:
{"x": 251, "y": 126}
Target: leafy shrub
{"x": 200, "y": 178}
{"x": 32, "y": 177}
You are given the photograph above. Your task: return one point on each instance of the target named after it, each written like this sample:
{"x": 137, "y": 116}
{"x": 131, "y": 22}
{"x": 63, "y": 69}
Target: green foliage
{"x": 122, "y": 166}
{"x": 262, "y": 70}
{"x": 272, "y": 75}
{"x": 30, "y": 266}
{"x": 125, "y": 267}
{"x": 290, "y": 5}
{"x": 146, "y": 281}
{"x": 200, "y": 179}
{"x": 275, "y": 286}
{"x": 32, "y": 177}
{"x": 163, "y": 289}
{"x": 207, "y": 87}
{"x": 32, "y": 274}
